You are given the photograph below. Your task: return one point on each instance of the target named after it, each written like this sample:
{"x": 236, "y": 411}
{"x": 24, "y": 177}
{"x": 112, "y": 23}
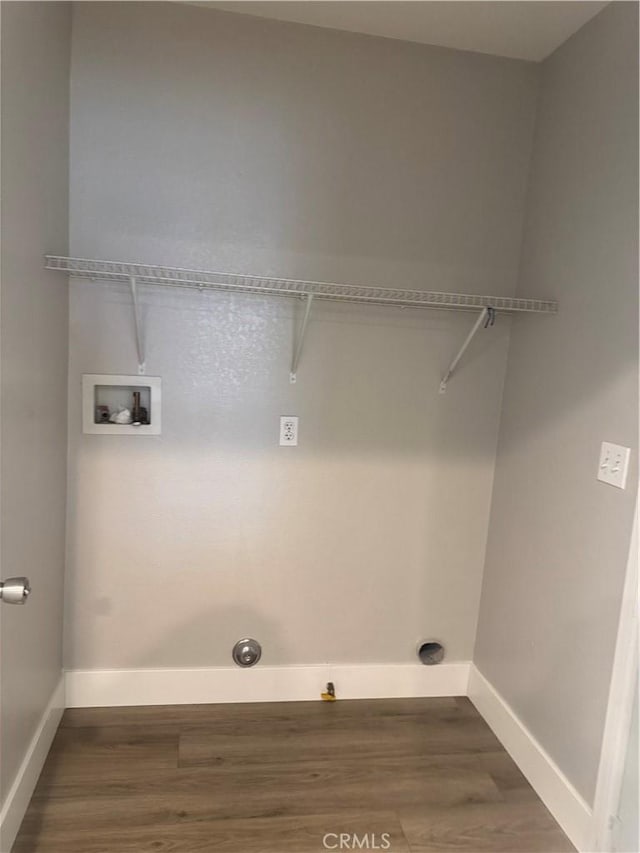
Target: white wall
{"x": 626, "y": 831}
{"x": 33, "y": 349}
{"x": 207, "y": 139}
{"x": 558, "y": 539}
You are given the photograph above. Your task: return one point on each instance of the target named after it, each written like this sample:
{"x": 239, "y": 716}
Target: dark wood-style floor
{"x": 278, "y": 778}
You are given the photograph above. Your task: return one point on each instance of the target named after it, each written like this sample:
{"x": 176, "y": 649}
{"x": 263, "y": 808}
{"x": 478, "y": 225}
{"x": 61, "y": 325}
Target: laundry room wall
{"x": 220, "y": 141}
{"x": 35, "y": 46}
{"x": 559, "y": 539}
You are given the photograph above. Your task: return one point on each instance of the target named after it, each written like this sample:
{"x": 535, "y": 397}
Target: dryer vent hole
{"x": 430, "y": 653}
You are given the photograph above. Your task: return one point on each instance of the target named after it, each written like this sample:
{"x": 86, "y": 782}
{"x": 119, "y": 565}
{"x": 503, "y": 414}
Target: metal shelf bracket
{"x": 138, "y": 325}
{"x": 486, "y": 318}
{"x": 293, "y": 376}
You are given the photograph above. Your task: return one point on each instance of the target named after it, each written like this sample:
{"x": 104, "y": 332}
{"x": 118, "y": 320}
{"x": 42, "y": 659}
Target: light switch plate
{"x": 613, "y": 464}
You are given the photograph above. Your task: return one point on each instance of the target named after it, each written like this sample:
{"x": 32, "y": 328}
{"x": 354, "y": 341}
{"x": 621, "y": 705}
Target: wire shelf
{"x": 204, "y": 280}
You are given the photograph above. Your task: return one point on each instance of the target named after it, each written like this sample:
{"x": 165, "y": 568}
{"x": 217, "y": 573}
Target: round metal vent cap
{"x": 247, "y": 652}
{"x": 430, "y": 652}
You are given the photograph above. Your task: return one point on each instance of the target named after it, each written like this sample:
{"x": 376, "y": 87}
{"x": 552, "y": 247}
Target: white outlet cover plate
{"x": 288, "y": 431}
{"x": 613, "y": 464}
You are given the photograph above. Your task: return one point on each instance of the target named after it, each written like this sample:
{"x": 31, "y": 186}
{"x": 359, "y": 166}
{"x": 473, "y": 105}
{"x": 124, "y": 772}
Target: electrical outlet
{"x": 288, "y": 431}
{"x": 613, "y": 464}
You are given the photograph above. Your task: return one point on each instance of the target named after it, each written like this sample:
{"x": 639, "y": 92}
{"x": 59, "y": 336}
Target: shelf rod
{"x": 138, "y": 325}
{"x": 484, "y": 317}
{"x": 293, "y": 376}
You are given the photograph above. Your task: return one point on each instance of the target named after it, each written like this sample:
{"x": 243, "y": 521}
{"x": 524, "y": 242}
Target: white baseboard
{"x": 95, "y": 688}
{"x": 15, "y": 805}
{"x": 549, "y": 782}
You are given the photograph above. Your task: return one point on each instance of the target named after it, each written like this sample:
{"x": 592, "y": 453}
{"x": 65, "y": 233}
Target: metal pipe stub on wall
{"x": 247, "y": 652}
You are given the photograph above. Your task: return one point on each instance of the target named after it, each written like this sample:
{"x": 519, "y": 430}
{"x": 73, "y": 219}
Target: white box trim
{"x": 17, "y": 801}
{"x": 117, "y": 687}
{"x": 90, "y": 427}
{"x": 549, "y": 782}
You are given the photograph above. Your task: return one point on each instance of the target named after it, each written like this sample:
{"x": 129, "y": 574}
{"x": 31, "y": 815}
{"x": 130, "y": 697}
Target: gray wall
{"x": 33, "y": 341}
{"x": 558, "y": 539}
{"x": 208, "y": 139}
